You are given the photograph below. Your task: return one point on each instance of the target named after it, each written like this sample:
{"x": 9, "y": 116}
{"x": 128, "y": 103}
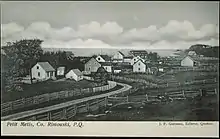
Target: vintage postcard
{"x": 126, "y": 69}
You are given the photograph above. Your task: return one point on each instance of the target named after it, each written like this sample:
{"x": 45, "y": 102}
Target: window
{"x": 139, "y": 68}
{"x": 139, "y": 64}
{"x": 98, "y": 58}
{"x": 134, "y": 59}
{"x": 89, "y": 68}
{"x": 37, "y": 67}
{"x": 39, "y": 74}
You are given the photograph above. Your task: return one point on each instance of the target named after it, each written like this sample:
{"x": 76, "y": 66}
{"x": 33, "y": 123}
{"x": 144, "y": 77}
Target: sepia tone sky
{"x": 154, "y": 25}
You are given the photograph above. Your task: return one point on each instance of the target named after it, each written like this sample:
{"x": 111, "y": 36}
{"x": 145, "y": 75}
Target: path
{"x": 63, "y": 105}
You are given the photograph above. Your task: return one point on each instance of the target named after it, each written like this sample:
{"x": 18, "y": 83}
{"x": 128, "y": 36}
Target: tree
{"x": 153, "y": 56}
{"x": 101, "y": 75}
{"x": 21, "y": 56}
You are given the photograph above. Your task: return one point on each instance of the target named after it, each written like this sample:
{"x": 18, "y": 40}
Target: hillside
{"x": 206, "y": 50}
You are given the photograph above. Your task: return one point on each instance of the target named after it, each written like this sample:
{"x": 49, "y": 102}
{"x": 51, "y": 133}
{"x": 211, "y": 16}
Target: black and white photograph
{"x": 109, "y": 61}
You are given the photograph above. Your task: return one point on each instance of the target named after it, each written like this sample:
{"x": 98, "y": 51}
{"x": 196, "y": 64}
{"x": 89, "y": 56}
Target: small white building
{"x": 103, "y": 58}
{"x": 75, "y": 74}
{"x": 139, "y": 66}
{"x": 107, "y": 66}
{"x": 188, "y": 62}
{"x": 60, "y": 71}
{"x": 43, "y": 71}
{"x": 135, "y": 59}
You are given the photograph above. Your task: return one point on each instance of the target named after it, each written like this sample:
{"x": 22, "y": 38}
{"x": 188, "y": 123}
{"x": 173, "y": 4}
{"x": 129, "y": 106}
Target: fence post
{"x": 49, "y": 116}
{"x": 87, "y": 106}
{"x": 127, "y": 98}
{"x": 215, "y": 80}
{"x": 183, "y": 94}
{"x": 106, "y": 101}
{"x": 200, "y": 92}
{"x": 64, "y": 114}
{"x": 75, "y": 109}
{"x": 204, "y": 81}
{"x": 147, "y": 97}
{"x": 167, "y": 85}
{"x": 215, "y": 91}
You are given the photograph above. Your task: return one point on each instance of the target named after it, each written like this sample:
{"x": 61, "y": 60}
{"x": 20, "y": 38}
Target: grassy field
{"x": 201, "y": 108}
{"x": 39, "y": 88}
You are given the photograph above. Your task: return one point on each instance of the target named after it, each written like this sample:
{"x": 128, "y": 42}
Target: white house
{"x": 75, "y": 74}
{"x": 43, "y": 71}
{"x": 92, "y": 65}
{"x": 107, "y": 66}
{"x": 103, "y": 58}
{"x": 139, "y": 66}
{"x": 118, "y": 57}
{"x": 135, "y": 59}
{"x": 188, "y": 62}
{"x": 60, "y": 71}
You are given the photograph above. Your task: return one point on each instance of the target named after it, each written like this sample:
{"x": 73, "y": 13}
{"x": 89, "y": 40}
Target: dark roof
{"x": 106, "y": 63}
{"x": 87, "y": 60}
{"x": 77, "y": 72}
{"x": 106, "y": 57}
{"x": 46, "y": 66}
{"x": 128, "y": 57}
{"x": 121, "y": 53}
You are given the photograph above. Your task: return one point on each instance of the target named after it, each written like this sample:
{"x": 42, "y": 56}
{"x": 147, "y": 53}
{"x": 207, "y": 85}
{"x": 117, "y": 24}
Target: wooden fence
{"x": 182, "y": 69}
{"x": 68, "y": 112}
{"x": 26, "y": 102}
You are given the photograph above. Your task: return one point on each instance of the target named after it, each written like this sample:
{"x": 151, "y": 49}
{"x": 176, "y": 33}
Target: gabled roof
{"x": 77, "y": 72}
{"x": 46, "y": 66}
{"x": 91, "y": 59}
{"x": 139, "y": 60}
{"x": 106, "y": 57}
{"x": 121, "y": 53}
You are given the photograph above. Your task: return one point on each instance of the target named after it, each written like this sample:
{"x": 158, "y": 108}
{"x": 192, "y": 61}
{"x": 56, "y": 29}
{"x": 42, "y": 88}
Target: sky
{"x": 138, "y": 25}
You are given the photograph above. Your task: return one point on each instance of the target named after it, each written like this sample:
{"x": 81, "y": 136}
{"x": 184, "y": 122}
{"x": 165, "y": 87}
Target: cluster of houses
{"x": 135, "y": 62}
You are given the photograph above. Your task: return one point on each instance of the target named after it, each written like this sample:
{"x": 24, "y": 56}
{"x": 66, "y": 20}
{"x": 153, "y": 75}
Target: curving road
{"x": 24, "y": 114}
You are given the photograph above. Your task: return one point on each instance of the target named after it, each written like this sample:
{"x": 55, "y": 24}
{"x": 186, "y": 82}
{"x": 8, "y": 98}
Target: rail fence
{"x": 183, "y": 69}
{"x": 68, "y": 112}
{"x": 26, "y": 102}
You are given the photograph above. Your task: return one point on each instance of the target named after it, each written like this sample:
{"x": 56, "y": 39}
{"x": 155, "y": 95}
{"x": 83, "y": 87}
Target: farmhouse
{"x": 60, "y": 71}
{"x": 75, "y": 74}
{"x": 103, "y": 58}
{"x": 107, "y": 66}
{"x": 92, "y": 65}
{"x": 118, "y": 57}
{"x": 141, "y": 53}
{"x": 139, "y": 66}
{"x": 43, "y": 71}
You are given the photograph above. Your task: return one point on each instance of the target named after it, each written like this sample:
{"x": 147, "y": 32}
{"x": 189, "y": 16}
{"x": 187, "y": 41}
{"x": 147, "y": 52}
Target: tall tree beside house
{"x": 20, "y": 57}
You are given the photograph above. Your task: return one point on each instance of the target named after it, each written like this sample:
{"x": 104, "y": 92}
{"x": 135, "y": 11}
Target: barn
{"x": 75, "y": 74}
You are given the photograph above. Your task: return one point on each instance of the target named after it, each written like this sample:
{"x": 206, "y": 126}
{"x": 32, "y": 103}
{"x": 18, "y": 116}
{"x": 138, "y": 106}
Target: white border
{"x": 116, "y": 129}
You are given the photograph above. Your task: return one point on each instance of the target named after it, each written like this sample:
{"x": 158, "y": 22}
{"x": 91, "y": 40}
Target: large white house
{"x": 92, "y": 65}
{"x": 139, "y": 66}
{"x": 43, "y": 71}
{"x": 75, "y": 74}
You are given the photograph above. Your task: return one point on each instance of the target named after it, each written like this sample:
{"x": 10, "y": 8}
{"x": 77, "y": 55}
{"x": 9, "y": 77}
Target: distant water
{"x": 96, "y": 51}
